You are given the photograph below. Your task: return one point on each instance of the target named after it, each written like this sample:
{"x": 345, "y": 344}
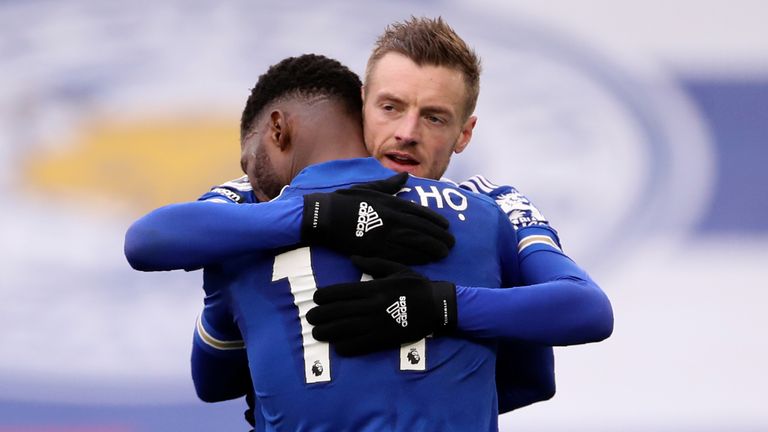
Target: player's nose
{"x": 407, "y": 131}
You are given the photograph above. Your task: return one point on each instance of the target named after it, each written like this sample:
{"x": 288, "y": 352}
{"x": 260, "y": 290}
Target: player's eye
{"x": 433, "y": 119}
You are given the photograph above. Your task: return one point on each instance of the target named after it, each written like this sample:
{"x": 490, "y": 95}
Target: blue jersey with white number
{"x": 439, "y": 384}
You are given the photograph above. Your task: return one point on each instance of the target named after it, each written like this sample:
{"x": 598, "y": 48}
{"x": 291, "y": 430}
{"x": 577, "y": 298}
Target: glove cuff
{"x": 312, "y": 219}
{"x": 446, "y": 313}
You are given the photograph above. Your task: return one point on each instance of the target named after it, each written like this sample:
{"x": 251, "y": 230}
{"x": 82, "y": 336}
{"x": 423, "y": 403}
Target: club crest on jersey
{"x": 520, "y": 210}
{"x": 399, "y": 311}
{"x": 367, "y": 219}
{"x": 413, "y": 356}
{"x": 317, "y": 368}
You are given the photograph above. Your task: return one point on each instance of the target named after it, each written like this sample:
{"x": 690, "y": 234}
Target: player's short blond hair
{"x": 428, "y": 41}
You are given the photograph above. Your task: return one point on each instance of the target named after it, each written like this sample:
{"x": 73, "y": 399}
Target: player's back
{"x": 438, "y": 384}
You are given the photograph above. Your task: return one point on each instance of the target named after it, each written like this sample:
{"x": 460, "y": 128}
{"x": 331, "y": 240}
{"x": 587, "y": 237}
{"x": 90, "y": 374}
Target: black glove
{"x": 368, "y": 220}
{"x": 397, "y": 307}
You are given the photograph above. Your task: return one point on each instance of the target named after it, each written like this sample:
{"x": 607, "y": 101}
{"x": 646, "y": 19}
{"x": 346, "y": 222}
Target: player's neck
{"x": 318, "y": 152}
{"x": 343, "y": 141}
{"x": 340, "y": 151}
{"x": 326, "y": 132}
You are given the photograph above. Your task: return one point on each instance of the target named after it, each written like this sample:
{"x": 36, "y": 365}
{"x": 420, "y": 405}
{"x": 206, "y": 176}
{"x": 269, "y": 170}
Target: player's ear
{"x": 279, "y": 134}
{"x": 465, "y": 135}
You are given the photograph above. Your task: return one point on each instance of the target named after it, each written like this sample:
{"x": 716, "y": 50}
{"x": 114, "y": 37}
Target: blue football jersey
{"x": 438, "y": 384}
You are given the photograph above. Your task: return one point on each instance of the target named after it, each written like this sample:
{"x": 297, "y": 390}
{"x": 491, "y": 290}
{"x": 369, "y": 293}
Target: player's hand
{"x": 368, "y": 220}
{"x": 397, "y": 307}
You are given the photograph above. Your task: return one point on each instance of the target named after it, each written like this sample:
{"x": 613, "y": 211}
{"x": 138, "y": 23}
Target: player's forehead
{"x": 395, "y": 76}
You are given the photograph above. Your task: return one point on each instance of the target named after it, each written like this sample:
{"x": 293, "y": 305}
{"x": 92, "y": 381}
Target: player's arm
{"x": 568, "y": 309}
{"x": 194, "y": 234}
{"x": 221, "y": 375}
{"x": 219, "y": 359}
{"x": 557, "y": 303}
{"x": 218, "y": 373}
{"x": 191, "y": 235}
{"x": 525, "y": 373}
{"x": 534, "y": 260}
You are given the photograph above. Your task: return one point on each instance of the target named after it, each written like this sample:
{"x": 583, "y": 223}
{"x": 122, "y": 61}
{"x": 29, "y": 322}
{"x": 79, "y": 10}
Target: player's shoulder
{"x": 238, "y": 191}
{"x": 520, "y": 210}
{"x": 479, "y": 184}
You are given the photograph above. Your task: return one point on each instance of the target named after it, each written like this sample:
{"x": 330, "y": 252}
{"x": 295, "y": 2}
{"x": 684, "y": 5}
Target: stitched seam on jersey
{"x": 536, "y": 239}
{"x": 217, "y": 343}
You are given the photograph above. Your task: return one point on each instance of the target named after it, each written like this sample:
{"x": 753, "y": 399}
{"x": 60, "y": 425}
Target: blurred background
{"x": 640, "y": 129}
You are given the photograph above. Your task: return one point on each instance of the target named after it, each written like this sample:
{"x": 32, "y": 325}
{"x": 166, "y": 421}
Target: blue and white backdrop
{"x": 640, "y": 130}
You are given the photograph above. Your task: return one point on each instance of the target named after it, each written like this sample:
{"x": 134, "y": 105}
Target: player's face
{"x": 413, "y": 116}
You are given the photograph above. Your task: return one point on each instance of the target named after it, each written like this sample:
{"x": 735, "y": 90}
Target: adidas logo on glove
{"x": 367, "y": 219}
{"x": 399, "y": 311}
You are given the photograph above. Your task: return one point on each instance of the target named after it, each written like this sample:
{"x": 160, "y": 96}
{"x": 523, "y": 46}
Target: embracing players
{"x": 417, "y": 113}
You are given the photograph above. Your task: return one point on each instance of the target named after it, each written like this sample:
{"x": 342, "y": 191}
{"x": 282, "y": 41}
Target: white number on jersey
{"x": 296, "y": 266}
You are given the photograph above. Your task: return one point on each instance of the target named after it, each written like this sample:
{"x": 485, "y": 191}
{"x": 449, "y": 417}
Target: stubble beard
{"x": 262, "y": 175}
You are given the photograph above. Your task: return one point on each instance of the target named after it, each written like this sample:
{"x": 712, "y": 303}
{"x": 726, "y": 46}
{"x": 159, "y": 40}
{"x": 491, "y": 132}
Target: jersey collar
{"x": 341, "y": 172}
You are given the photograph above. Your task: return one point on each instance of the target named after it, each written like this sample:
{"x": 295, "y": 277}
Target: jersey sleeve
{"x": 194, "y": 234}
{"x": 219, "y": 360}
{"x": 524, "y": 216}
{"x": 551, "y": 300}
{"x": 525, "y": 372}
